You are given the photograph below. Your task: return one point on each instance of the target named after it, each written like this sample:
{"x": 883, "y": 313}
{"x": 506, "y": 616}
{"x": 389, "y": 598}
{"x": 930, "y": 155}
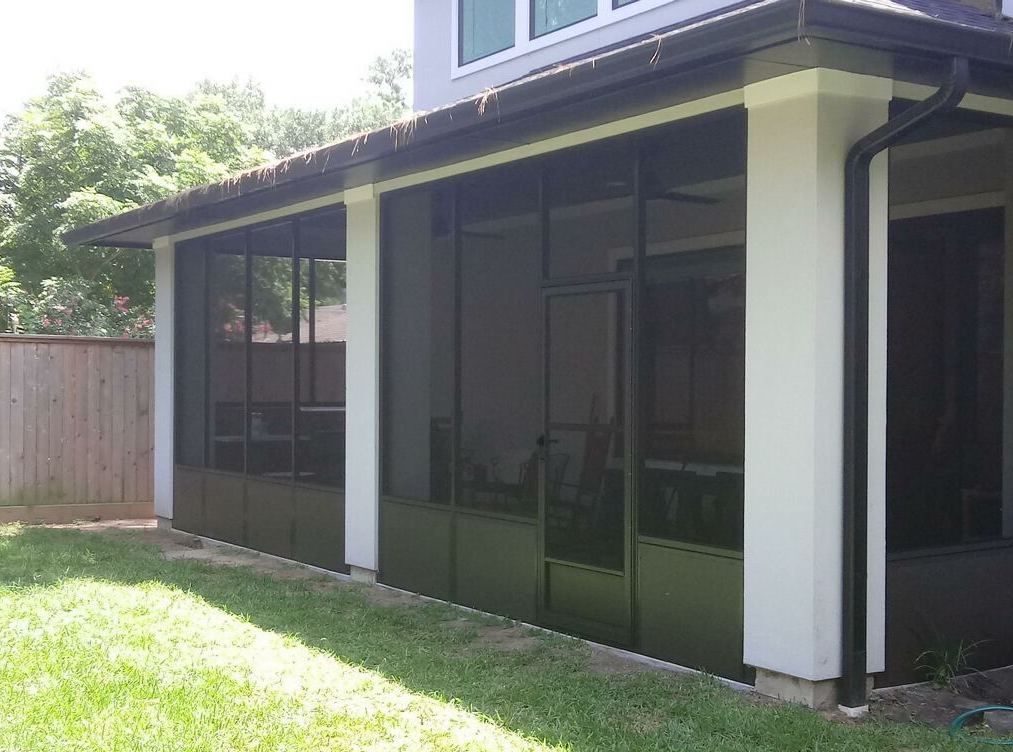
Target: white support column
{"x": 362, "y": 419}
{"x": 165, "y": 262}
{"x": 800, "y": 129}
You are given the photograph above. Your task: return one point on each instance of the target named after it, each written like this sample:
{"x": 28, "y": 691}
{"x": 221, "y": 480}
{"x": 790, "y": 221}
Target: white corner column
{"x": 362, "y": 417}
{"x": 801, "y": 127}
{"x": 165, "y": 287}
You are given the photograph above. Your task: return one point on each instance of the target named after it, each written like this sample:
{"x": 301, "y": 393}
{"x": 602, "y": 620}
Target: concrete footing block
{"x": 814, "y": 694}
{"x": 820, "y": 695}
{"x": 360, "y": 574}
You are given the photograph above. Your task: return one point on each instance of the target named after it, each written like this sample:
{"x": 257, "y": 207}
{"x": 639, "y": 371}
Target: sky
{"x": 305, "y": 53}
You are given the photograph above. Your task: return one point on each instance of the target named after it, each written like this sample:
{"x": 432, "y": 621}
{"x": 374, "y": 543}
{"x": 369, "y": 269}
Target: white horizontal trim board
{"x": 976, "y": 102}
{"x": 619, "y": 127}
{"x": 265, "y": 216}
{"x": 671, "y": 114}
{"x": 723, "y": 100}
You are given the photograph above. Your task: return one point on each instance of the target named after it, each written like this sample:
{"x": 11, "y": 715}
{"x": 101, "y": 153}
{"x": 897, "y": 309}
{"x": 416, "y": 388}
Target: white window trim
{"x": 524, "y": 44}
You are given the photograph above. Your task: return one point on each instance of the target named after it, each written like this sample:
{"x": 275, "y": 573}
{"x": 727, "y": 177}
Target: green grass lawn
{"x": 105, "y": 645}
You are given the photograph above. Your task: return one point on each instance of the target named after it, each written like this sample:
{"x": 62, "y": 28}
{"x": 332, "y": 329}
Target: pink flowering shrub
{"x": 68, "y": 306}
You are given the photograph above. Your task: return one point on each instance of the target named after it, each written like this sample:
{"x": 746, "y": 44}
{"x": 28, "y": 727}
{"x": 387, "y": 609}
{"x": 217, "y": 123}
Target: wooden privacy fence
{"x": 75, "y": 421}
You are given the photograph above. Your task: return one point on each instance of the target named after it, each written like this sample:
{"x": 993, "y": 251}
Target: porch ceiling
{"x": 740, "y": 45}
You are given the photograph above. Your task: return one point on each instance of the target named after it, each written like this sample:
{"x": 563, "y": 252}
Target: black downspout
{"x": 854, "y": 617}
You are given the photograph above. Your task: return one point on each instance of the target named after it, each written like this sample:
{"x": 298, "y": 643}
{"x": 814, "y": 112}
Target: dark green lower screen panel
{"x": 269, "y": 517}
{"x": 587, "y": 602}
{"x": 690, "y": 606}
{"x": 690, "y": 599}
{"x": 302, "y": 523}
{"x": 320, "y": 528}
{"x": 224, "y": 508}
{"x": 495, "y": 567}
{"x": 415, "y": 548}
{"x": 188, "y": 500}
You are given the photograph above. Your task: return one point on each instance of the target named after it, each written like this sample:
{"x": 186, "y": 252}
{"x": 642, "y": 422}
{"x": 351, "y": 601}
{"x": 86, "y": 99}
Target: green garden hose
{"x": 957, "y": 726}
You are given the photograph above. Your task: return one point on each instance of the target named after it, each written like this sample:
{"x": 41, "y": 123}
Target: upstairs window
{"x": 486, "y": 27}
{"x": 549, "y": 15}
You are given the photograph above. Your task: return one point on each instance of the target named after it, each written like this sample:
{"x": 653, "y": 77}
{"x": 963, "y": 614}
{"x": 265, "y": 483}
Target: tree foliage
{"x": 283, "y": 131}
{"x": 71, "y": 157}
{"x": 11, "y": 298}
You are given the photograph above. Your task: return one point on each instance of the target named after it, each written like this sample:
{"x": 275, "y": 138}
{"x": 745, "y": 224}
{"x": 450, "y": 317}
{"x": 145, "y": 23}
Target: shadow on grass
{"x": 543, "y": 691}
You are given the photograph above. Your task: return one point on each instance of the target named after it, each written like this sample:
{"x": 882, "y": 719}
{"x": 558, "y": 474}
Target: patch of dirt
{"x": 604, "y": 661}
{"x": 506, "y": 637}
{"x": 938, "y": 706}
{"x": 383, "y": 596}
{"x": 762, "y": 701}
{"x": 136, "y": 527}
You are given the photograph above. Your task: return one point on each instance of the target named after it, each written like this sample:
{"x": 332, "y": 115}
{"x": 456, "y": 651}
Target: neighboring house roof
{"x": 493, "y": 120}
{"x": 330, "y": 325}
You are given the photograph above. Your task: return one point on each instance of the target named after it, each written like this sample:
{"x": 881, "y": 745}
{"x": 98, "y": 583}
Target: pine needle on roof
{"x": 802, "y": 36}
{"x": 403, "y": 130}
{"x": 490, "y": 94}
{"x": 657, "y": 51}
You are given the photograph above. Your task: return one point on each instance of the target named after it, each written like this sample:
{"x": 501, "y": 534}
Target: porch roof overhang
{"x": 740, "y": 44}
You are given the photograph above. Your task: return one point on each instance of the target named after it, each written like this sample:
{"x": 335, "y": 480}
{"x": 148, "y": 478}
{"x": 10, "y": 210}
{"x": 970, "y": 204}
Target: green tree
{"x": 70, "y": 157}
{"x": 11, "y": 299}
{"x": 285, "y": 130}
{"x": 389, "y": 80}
{"x": 66, "y": 306}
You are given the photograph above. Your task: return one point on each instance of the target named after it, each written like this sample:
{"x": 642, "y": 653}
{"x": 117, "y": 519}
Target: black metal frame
{"x": 624, "y": 285}
{"x": 178, "y": 338}
{"x": 297, "y": 259}
{"x": 631, "y": 281}
{"x": 247, "y": 345}
{"x": 296, "y": 339}
{"x": 209, "y": 454}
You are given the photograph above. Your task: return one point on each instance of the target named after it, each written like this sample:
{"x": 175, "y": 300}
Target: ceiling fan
{"x": 441, "y": 223}
{"x": 653, "y": 191}
{"x": 670, "y": 194}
